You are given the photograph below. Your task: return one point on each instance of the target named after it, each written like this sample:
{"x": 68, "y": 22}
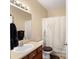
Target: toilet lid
{"x": 47, "y": 48}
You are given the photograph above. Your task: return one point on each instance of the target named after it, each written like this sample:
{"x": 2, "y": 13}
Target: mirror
{"x": 22, "y": 20}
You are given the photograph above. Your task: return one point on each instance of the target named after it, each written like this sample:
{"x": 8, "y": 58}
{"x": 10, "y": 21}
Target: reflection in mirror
{"x": 28, "y": 29}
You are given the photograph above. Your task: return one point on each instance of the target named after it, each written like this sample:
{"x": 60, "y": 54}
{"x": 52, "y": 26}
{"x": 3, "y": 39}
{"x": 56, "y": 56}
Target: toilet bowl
{"x": 46, "y": 52}
{"x": 46, "y": 55}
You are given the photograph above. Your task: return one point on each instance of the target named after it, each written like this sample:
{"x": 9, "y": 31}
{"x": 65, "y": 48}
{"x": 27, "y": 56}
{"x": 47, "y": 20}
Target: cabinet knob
{"x": 33, "y": 55}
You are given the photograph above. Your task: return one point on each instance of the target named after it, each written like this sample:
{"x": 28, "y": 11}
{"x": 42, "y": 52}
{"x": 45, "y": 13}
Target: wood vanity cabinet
{"x": 36, "y": 54}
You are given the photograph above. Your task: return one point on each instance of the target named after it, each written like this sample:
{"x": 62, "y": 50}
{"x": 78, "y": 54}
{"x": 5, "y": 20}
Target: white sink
{"x": 23, "y": 49}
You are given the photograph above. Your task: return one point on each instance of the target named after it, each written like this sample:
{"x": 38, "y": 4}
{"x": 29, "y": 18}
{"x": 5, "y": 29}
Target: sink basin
{"x": 23, "y": 49}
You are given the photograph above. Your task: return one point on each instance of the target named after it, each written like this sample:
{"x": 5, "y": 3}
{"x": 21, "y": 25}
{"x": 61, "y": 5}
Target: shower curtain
{"x": 28, "y": 29}
{"x": 54, "y": 32}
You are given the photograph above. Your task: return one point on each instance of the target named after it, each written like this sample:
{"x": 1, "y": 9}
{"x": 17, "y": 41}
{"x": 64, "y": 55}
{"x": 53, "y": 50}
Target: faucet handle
{"x": 21, "y": 43}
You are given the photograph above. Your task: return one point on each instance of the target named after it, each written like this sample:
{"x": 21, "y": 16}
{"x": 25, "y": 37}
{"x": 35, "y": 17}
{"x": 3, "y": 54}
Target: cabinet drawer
{"x": 39, "y": 49}
{"x": 33, "y": 54}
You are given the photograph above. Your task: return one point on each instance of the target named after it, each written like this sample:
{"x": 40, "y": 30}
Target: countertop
{"x": 15, "y": 55}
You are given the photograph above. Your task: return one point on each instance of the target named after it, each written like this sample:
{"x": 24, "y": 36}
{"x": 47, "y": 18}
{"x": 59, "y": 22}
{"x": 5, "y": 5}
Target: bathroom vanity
{"x": 34, "y": 53}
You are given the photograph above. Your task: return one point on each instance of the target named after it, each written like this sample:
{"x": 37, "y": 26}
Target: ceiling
{"x": 52, "y": 4}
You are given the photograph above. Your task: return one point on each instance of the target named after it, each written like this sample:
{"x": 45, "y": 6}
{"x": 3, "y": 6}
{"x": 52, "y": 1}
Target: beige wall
{"x": 57, "y": 12}
{"x": 37, "y": 12}
{"x": 19, "y": 17}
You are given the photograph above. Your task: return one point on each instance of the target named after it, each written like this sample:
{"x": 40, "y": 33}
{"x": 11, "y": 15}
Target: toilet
{"x": 46, "y": 52}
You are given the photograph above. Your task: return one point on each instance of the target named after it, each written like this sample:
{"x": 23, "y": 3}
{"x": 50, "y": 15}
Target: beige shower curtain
{"x": 55, "y": 32}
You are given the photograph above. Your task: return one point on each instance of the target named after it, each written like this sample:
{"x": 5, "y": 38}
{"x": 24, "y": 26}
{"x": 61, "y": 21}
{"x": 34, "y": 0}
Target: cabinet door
{"x": 33, "y": 54}
{"x": 38, "y": 56}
